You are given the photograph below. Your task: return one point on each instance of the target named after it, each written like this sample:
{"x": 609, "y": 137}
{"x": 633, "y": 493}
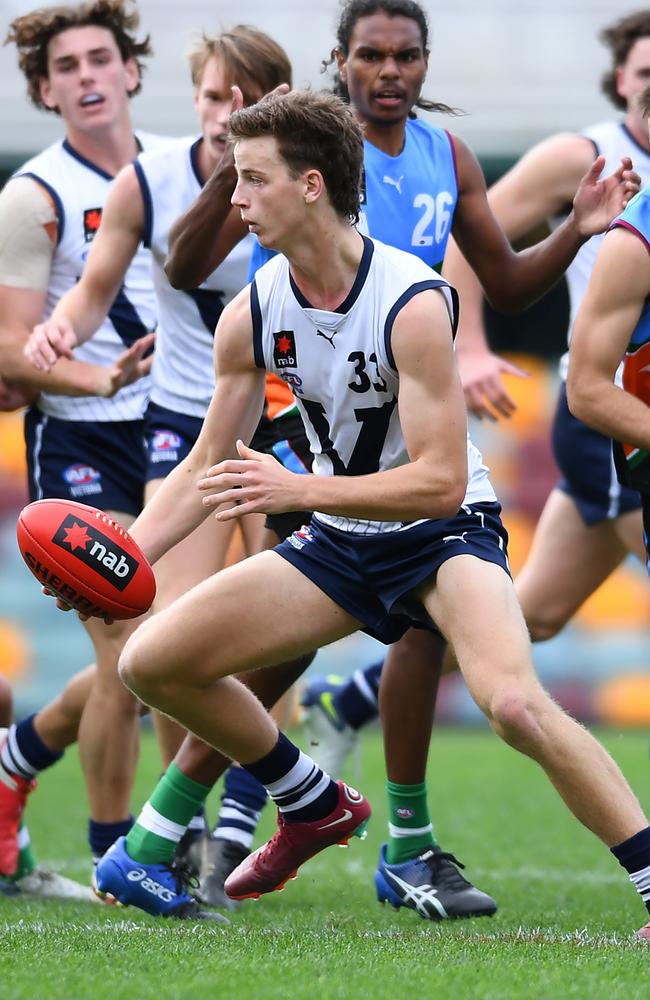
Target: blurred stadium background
{"x": 520, "y": 70}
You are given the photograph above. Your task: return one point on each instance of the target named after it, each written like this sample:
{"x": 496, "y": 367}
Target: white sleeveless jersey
{"x": 611, "y": 140}
{"x": 183, "y": 367}
{"x": 341, "y": 368}
{"x": 79, "y": 190}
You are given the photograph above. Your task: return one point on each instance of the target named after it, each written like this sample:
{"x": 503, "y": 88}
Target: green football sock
{"x": 26, "y": 859}
{"x": 155, "y": 835}
{"x": 409, "y": 823}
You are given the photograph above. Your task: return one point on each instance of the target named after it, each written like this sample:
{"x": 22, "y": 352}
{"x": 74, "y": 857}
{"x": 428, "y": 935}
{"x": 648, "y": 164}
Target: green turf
{"x": 563, "y": 929}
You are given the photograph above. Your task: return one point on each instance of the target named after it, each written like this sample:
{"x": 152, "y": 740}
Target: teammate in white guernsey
{"x": 590, "y": 522}
{"x": 299, "y": 160}
{"x": 84, "y": 65}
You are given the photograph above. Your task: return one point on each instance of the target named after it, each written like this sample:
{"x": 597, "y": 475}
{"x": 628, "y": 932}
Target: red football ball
{"x": 85, "y": 558}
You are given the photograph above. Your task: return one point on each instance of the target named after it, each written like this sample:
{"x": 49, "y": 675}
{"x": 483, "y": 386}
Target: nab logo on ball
{"x": 97, "y": 550}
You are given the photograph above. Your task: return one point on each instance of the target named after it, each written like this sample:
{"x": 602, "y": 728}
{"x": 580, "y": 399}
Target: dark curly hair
{"x": 619, "y": 39}
{"x": 353, "y": 11}
{"x": 33, "y": 32}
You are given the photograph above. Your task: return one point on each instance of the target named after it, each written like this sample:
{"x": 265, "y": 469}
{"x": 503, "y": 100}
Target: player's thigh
{"x": 473, "y": 602}
{"x": 567, "y": 562}
{"x": 629, "y": 530}
{"x": 257, "y": 613}
{"x": 195, "y": 558}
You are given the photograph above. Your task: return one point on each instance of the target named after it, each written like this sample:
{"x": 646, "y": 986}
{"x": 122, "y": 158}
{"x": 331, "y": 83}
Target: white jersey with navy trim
{"x": 612, "y": 140}
{"x": 79, "y": 189}
{"x": 182, "y": 377}
{"x": 341, "y": 369}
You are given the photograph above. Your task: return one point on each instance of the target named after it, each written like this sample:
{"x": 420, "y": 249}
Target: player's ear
{"x": 314, "y": 185}
{"x": 341, "y": 63}
{"x": 132, "y": 74}
{"x": 45, "y": 91}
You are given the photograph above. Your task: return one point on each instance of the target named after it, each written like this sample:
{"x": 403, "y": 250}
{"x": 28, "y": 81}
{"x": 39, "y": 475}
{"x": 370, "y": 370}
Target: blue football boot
{"x": 431, "y": 885}
{"x": 157, "y": 889}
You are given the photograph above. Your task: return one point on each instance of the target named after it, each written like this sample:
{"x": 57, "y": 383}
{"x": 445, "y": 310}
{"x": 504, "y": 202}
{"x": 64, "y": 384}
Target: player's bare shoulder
{"x": 234, "y": 334}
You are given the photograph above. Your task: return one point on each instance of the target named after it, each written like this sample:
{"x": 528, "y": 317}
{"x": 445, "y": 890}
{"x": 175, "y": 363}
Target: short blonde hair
{"x": 251, "y": 59}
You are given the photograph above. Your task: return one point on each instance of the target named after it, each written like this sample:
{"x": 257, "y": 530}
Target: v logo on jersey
{"x": 330, "y": 340}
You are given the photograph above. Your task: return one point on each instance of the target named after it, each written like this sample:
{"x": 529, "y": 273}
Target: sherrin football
{"x": 85, "y": 558}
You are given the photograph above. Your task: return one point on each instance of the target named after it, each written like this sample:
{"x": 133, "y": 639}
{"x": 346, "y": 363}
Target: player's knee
{"x": 513, "y": 718}
{"x": 134, "y": 668}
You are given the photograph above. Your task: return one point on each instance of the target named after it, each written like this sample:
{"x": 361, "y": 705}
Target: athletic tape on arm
{"x": 27, "y": 218}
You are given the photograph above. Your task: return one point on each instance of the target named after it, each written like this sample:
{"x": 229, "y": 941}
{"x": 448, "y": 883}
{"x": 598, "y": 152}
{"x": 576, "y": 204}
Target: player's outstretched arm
{"x": 617, "y": 291}
{"x": 540, "y": 185}
{"x": 434, "y": 424}
{"x": 84, "y": 307}
{"x": 206, "y": 233}
{"x": 513, "y": 281}
{"x": 234, "y": 412}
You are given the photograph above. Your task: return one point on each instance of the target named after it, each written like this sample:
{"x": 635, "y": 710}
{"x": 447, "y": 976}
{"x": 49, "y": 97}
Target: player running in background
{"x": 589, "y": 523}
{"x": 613, "y": 323}
{"x": 421, "y": 184}
{"x": 407, "y": 527}
{"x": 83, "y": 63}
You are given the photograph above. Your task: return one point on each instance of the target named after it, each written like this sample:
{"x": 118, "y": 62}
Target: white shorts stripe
{"x": 37, "y": 457}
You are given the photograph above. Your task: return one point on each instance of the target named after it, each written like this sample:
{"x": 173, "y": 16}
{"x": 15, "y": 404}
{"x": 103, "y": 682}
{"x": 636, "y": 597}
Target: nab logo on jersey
{"x": 284, "y": 349}
{"x": 92, "y": 218}
{"x": 96, "y": 550}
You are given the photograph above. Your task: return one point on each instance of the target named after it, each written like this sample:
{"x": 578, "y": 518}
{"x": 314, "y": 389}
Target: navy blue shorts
{"x": 373, "y": 577}
{"x": 586, "y": 462}
{"x": 169, "y": 438}
{"x": 285, "y": 438}
{"x": 95, "y": 462}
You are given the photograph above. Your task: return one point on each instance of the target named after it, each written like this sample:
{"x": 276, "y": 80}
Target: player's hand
{"x": 253, "y": 483}
{"x": 50, "y": 341}
{"x": 481, "y": 374}
{"x": 15, "y": 397}
{"x": 129, "y": 367}
{"x": 598, "y": 202}
{"x": 64, "y": 606}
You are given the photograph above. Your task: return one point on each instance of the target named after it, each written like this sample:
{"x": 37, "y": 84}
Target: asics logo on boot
{"x": 136, "y": 874}
{"x": 150, "y": 885}
{"x": 419, "y": 896}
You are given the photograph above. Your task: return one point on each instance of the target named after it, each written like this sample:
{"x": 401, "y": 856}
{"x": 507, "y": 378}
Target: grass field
{"x": 563, "y": 930}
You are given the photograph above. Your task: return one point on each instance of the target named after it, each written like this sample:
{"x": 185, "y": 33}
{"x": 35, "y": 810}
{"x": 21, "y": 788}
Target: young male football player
{"x": 407, "y": 528}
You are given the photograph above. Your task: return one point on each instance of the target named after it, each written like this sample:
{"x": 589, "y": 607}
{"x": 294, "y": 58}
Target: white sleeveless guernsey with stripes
{"x": 611, "y": 140}
{"x": 182, "y": 377}
{"x": 341, "y": 368}
{"x": 79, "y": 190}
